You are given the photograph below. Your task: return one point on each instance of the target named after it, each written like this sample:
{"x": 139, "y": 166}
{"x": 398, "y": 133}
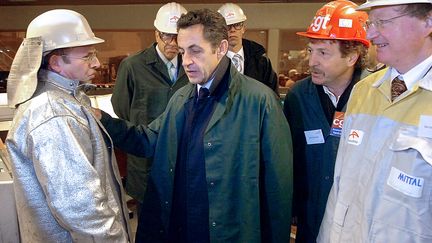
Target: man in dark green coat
{"x": 222, "y": 167}
{"x": 144, "y": 87}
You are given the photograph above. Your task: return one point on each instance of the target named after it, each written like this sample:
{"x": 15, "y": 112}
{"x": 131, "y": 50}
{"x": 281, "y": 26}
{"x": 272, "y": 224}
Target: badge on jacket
{"x": 336, "y": 128}
{"x": 314, "y": 136}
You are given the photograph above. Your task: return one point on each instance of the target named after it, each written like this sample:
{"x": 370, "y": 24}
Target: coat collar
{"x": 152, "y": 59}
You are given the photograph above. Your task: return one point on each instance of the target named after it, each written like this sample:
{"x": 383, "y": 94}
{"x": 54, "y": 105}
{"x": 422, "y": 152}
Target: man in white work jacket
{"x": 383, "y": 174}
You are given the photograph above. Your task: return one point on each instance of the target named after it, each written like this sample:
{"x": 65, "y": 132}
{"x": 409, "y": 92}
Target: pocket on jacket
{"x": 382, "y": 232}
{"x": 408, "y": 139}
{"x": 339, "y": 216}
{"x": 409, "y": 183}
{"x": 340, "y": 213}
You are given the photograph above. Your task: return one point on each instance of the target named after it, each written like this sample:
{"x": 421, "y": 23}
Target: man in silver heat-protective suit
{"x": 67, "y": 184}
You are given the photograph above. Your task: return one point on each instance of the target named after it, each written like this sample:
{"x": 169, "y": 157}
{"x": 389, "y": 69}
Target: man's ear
{"x": 222, "y": 49}
{"x": 55, "y": 63}
{"x": 352, "y": 58}
{"x": 428, "y": 25}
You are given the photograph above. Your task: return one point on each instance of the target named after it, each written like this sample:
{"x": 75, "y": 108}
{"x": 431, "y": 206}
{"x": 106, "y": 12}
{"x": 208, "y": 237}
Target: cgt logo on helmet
{"x": 320, "y": 22}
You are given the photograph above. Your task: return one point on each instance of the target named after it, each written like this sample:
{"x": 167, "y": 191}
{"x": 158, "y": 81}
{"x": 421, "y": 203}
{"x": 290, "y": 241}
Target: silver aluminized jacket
{"x": 66, "y": 180}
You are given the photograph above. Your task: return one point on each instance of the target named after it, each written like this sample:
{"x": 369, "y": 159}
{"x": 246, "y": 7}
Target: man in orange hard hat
{"x": 315, "y": 107}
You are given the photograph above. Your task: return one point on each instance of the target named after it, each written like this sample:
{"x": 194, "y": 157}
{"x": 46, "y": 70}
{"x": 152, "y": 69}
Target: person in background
{"x": 371, "y": 61}
{"x": 222, "y": 165}
{"x": 282, "y": 79}
{"x": 248, "y": 56}
{"x": 66, "y": 181}
{"x": 315, "y": 107}
{"x": 291, "y": 79}
{"x": 382, "y": 183}
{"x": 145, "y": 83}
{"x": 303, "y": 64}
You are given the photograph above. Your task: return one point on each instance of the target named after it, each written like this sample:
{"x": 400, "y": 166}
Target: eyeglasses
{"x": 237, "y": 26}
{"x": 89, "y": 58}
{"x": 167, "y": 38}
{"x": 379, "y": 23}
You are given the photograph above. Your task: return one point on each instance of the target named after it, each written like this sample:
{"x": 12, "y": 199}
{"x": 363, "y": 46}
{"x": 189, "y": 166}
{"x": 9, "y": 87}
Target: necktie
{"x": 238, "y": 62}
{"x": 397, "y": 88}
{"x": 172, "y": 71}
{"x": 203, "y": 93}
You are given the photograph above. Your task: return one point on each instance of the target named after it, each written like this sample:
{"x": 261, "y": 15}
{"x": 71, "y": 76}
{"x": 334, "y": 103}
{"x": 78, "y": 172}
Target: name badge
{"x": 314, "y": 136}
{"x": 425, "y": 127}
{"x": 338, "y": 119}
{"x": 407, "y": 184}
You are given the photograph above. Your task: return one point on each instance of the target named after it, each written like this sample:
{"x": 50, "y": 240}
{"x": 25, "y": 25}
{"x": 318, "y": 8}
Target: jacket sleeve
{"x": 260, "y": 68}
{"x": 138, "y": 140}
{"x": 63, "y": 159}
{"x": 271, "y": 75}
{"x": 276, "y": 175}
{"x": 123, "y": 91}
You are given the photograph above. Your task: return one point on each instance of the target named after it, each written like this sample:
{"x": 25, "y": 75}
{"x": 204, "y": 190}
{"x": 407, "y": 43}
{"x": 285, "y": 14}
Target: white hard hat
{"x": 232, "y": 13}
{"x": 377, "y": 3}
{"x": 167, "y": 17}
{"x": 62, "y": 28}
{"x": 54, "y": 29}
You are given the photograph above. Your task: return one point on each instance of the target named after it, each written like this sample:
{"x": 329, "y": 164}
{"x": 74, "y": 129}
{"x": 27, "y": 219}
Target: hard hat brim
{"x": 167, "y": 30}
{"x": 370, "y": 4}
{"x": 78, "y": 43}
{"x": 320, "y": 37}
{"x": 235, "y": 21}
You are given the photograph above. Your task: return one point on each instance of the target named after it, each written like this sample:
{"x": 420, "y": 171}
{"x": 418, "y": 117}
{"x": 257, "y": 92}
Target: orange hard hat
{"x": 338, "y": 20}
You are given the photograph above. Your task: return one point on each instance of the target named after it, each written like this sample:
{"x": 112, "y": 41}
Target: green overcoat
{"x": 248, "y": 159}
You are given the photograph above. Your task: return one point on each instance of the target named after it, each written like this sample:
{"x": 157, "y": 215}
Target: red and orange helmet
{"x": 338, "y": 20}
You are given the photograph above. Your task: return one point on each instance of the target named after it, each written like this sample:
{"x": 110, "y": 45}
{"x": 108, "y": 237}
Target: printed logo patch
{"x": 320, "y": 22}
{"x": 355, "y": 137}
{"x": 407, "y": 184}
{"x": 336, "y": 129}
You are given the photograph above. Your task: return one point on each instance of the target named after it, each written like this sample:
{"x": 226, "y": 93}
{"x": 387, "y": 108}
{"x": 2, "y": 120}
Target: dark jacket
{"x": 141, "y": 93}
{"x": 248, "y": 163}
{"x": 313, "y": 163}
{"x": 257, "y": 65}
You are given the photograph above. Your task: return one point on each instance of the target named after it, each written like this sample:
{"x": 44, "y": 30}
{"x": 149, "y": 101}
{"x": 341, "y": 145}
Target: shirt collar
{"x": 414, "y": 74}
{"x": 334, "y": 99}
{"x": 174, "y": 61}
{"x": 230, "y": 54}
{"x": 206, "y": 85}
{"x": 216, "y": 81}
